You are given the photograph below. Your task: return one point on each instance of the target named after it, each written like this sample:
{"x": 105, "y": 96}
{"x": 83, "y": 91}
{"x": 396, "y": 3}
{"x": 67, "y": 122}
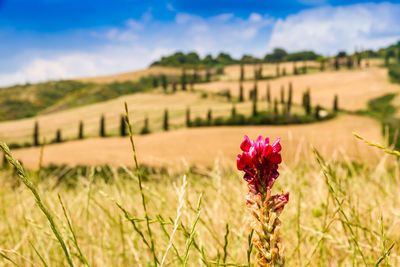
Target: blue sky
{"x": 59, "y": 39}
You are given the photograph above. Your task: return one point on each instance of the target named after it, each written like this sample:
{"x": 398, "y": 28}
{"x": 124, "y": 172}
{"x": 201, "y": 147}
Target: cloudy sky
{"x": 59, "y": 39}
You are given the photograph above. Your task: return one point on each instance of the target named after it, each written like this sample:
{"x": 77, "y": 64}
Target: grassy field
{"x": 202, "y": 146}
{"x": 342, "y": 212}
{"x": 348, "y": 218}
{"x": 353, "y": 87}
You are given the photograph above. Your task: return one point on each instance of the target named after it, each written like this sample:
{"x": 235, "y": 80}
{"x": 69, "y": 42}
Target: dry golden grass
{"x": 353, "y": 87}
{"x": 133, "y": 75}
{"x": 142, "y": 104}
{"x": 201, "y": 146}
{"x": 314, "y": 232}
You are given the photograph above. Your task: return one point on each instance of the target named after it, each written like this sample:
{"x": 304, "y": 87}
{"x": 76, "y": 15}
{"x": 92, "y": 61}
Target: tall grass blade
{"x": 24, "y": 177}
{"x": 178, "y": 215}
{"x": 139, "y": 174}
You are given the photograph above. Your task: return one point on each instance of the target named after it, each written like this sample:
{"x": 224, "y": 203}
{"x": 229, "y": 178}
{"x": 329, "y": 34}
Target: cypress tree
{"x": 260, "y": 70}
{"x": 164, "y": 82}
{"x": 208, "y": 75}
{"x": 80, "y": 131}
{"x": 307, "y": 102}
{"x": 122, "y": 126}
{"x": 241, "y": 72}
{"x": 290, "y": 95}
{"x": 228, "y": 95}
{"x": 283, "y": 71}
{"x": 155, "y": 82}
{"x": 336, "y": 63}
{"x": 277, "y": 70}
{"x": 268, "y": 93}
{"x": 317, "y": 111}
{"x": 282, "y": 94}
{"x": 195, "y": 75}
{"x": 304, "y": 67}
{"x": 241, "y": 97}
{"x": 166, "y": 126}
{"x": 183, "y": 80}
{"x": 58, "y": 136}
{"x": 349, "y": 62}
{"x": 295, "y": 71}
{"x": 145, "y": 129}
{"x": 36, "y": 134}
{"x": 192, "y": 84}
{"x": 336, "y": 103}
{"x": 188, "y": 122}
{"x": 255, "y": 106}
{"x": 255, "y": 91}
{"x": 387, "y": 59}
{"x": 276, "y": 112}
{"x": 359, "y": 57}
{"x": 233, "y": 111}
{"x": 209, "y": 117}
{"x": 174, "y": 86}
{"x": 255, "y": 73}
{"x": 102, "y": 126}
{"x": 322, "y": 65}
{"x": 255, "y": 99}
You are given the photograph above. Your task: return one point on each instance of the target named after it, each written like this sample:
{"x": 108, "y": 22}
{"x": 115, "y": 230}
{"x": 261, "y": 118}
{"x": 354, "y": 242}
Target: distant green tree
{"x": 209, "y": 117}
{"x": 228, "y": 95}
{"x": 278, "y": 55}
{"x": 336, "y": 63}
{"x": 208, "y": 75}
{"x": 183, "y": 80}
{"x": 302, "y": 55}
{"x": 255, "y": 112}
{"x": 304, "y": 67}
{"x": 282, "y": 94}
{"x": 164, "y": 82}
{"x": 166, "y": 125}
{"x": 268, "y": 93}
{"x": 241, "y": 72}
{"x": 188, "y": 121}
{"x": 322, "y": 65}
{"x": 336, "y": 103}
{"x": 36, "y": 134}
{"x": 58, "y": 136}
{"x": 145, "y": 129}
{"x": 290, "y": 96}
{"x": 255, "y": 91}
{"x": 233, "y": 111}
{"x": 276, "y": 111}
{"x": 349, "y": 62}
{"x": 341, "y": 54}
{"x": 80, "y": 131}
{"x": 122, "y": 126}
{"x": 174, "y": 86}
{"x": 241, "y": 97}
{"x": 102, "y": 126}
{"x": 283, "y": 71}
{"x": 277, "y": 70}
{"x": 295, "y": 71}
{"x": 307, "y": 102}
{"x": 155, "y": 82}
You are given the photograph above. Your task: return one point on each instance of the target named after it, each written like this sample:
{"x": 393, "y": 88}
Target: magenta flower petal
{"x": 246, "y": 144}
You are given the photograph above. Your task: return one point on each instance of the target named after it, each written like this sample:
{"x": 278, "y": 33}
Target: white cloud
{"x": 330, "y": 29}
{"x": 137, "y": 43}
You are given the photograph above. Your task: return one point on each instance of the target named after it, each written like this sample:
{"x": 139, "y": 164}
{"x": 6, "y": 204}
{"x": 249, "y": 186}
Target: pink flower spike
{"x": 259, "y": 160}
